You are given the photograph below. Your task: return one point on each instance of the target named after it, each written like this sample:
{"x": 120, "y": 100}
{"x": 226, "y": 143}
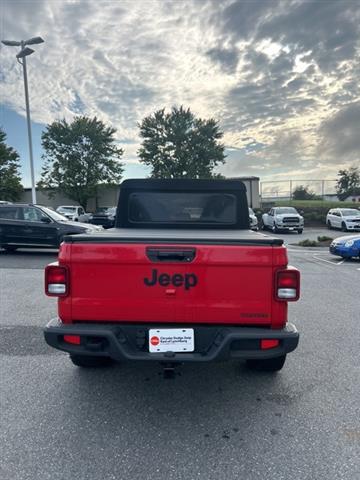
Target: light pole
{"x": 24, "y": 52}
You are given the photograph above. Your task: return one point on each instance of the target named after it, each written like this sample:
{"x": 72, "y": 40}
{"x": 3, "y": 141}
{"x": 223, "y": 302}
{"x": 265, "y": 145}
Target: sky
{"x": 282, "y": 77}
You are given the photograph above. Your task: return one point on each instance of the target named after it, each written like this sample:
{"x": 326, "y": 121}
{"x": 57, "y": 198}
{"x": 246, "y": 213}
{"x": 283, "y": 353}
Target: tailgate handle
{"x": 170, "y": 255}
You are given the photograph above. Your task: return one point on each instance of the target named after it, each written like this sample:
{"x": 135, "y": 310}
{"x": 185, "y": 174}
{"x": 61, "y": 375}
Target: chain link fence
{"x": 284, "y": 189}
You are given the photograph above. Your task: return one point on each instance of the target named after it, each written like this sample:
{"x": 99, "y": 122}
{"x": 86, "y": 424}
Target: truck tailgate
{"x": 125, "y": 282}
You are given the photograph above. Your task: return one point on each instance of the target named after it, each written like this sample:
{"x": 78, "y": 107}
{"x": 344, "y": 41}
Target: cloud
{"x": 339, "y": 134}
{"x": 281, "y": 76}
{"x": 226, "y": 58}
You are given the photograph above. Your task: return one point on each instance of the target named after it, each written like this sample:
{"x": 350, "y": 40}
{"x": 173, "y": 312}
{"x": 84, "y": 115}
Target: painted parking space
{"x": 324, "y": 258}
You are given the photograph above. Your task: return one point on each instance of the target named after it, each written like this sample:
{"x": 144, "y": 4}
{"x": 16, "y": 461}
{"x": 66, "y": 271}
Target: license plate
{"x": 171, "y": 340}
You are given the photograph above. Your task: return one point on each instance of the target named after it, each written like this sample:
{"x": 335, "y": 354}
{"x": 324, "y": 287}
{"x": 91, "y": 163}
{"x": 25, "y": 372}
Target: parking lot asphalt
{"x": 291, "y": 238}
{"x": 213, "y": 421}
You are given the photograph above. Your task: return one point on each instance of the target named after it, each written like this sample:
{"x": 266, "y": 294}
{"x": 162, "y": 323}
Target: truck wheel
{"x": 87, "y": 361}
{"x": 343, "y": 227}
{"x": 274, "y": 229}
{"x": 329, "y": 225}
{"x": 300, "y": 231}
{"x": 267, "y": 365}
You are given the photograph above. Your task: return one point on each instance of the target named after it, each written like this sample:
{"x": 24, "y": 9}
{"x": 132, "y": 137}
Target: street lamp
{"x": 25, "y": 52}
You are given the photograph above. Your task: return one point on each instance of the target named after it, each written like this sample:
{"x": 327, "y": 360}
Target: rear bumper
{"x": 105, "y": 222}
{"x": 130, "y": 342}
{"x": 289, "y": 227}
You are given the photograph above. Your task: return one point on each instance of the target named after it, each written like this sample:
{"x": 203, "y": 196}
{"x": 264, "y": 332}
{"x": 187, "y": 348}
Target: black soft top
{"x": 140, "y": 207}
{"x": 182, "y": 184}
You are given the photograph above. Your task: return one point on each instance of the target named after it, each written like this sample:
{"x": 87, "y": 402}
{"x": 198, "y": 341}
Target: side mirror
{"x": 45, "y": 220}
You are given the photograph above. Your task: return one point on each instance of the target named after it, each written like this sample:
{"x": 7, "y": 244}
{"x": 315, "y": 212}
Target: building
{"x": 108, "y": 196}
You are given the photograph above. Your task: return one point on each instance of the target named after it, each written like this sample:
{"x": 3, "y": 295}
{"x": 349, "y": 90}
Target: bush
{"x": 322, "y": 241}
{"x": 324, "y": 238}
{"x": 308, "y": 243}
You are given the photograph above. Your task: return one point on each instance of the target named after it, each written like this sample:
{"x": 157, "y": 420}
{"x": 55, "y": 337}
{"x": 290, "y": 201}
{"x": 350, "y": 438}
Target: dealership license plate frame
{"x": 179, "y": 340}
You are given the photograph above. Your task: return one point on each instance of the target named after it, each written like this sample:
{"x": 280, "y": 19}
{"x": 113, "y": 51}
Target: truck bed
{"x": 179, "y": 236}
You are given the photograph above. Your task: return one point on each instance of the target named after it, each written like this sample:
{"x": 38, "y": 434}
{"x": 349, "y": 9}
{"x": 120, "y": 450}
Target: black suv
{"x": 27, "y": 225}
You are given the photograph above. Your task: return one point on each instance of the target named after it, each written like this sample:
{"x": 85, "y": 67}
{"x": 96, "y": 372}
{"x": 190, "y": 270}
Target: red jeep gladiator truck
{"x": 180, "y": 278}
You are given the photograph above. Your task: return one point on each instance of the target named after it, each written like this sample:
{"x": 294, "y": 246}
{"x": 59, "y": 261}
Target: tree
{"x": 348, "y": 182}
{"x": 10, "y": 180}
{"x": 303, "y": 193}
{"x": 179, "y": 145}
{"x": 79, "y": 157}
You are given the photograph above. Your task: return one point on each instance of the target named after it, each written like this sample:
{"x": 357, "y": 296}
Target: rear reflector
{"x": 75, "y": 339}
{"x": 56, "y": 281}
{"x": 287, "y": 285}
{"x": 268, "y": 343}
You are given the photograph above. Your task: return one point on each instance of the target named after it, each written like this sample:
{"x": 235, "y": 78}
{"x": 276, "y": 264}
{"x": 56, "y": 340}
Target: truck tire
{"x": 88, "y": 361}
{"x": 344, "y": 227}
{"x": 300, "y": 231}
{"x": 274, "y": 229}
{"x": 267, "y": 365}
{"x": 329, "y": 225}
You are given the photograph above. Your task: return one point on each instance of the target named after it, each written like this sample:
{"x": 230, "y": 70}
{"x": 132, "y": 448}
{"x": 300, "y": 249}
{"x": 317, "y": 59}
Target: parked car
{"x": 283, "y": 218}
{"x": 4, "y": 202}
{"x": 254, "y": 224}
{"x": 346, "y": 247}
{"x": 346, "y": 219}
{"x": 104, "y": 216}
{"x": 27, "y": 225}
{"x": 74, "y": 213}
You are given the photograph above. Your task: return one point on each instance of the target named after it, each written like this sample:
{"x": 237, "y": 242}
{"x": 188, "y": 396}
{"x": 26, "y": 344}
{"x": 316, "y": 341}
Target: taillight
{"x": 56, "y": 281}
{"x": 287, "y": 285}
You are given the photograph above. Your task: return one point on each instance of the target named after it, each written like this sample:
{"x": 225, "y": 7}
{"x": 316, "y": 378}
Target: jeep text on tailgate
{"x": 180, "y": 278}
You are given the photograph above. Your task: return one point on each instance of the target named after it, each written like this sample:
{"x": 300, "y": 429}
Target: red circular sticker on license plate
{"x": 154, "y": 341}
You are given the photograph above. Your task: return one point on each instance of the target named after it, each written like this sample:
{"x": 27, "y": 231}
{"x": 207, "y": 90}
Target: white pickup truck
{"x": 283, "y": 218}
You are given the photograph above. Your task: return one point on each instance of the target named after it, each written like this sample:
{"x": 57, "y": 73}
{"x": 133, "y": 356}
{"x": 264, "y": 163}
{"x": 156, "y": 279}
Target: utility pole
{"x": 24, "y": 52}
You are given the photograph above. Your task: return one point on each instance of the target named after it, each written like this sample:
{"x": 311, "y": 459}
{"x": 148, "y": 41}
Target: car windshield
{"x": 286, "y": 210}
{"x": 67, "y": 209}
{"x": 350, "y": 212}
{"x": 54, "y": 215}
{"x": 102, "y": 210}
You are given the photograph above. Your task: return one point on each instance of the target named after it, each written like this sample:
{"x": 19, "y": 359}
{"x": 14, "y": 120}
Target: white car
{"x": 283, "y": 218}
{"x": 73, "y": 212}
{"x": 253, "y": 220}
{"x": 346, "y": 219}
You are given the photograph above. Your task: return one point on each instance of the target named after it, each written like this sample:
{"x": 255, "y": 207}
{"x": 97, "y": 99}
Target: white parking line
{"x": 328, "y": 261}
